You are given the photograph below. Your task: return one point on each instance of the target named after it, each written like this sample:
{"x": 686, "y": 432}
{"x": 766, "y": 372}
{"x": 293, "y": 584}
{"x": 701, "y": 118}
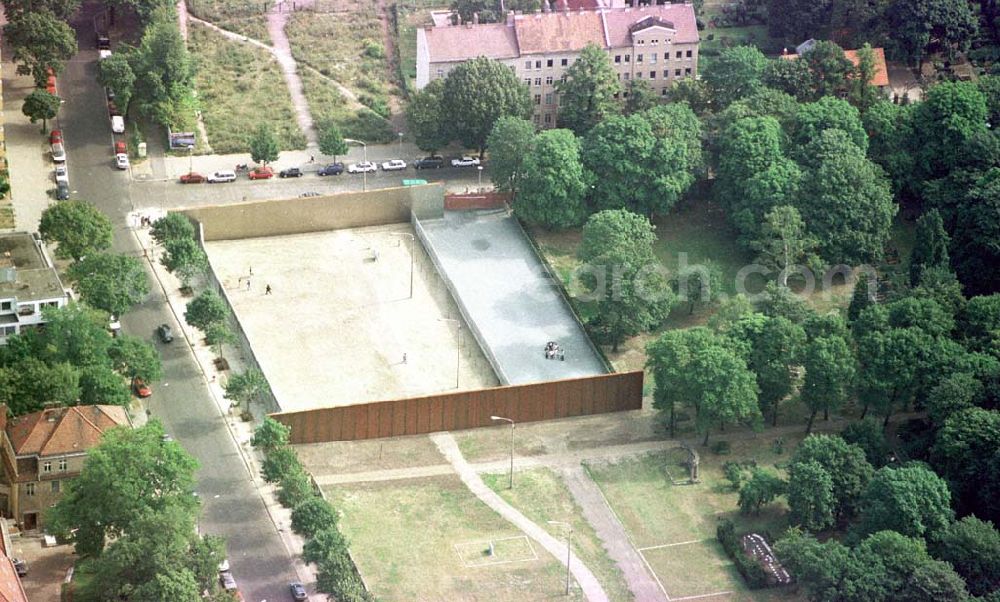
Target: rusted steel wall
{"x": 467, "y": 409}
{"x": 485, "y": 200}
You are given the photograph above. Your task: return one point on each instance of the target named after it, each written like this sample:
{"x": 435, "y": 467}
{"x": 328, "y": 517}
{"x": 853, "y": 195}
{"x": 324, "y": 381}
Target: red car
{"x": 192, "y": 178}
{"x": 140, "y": 387}
{"x": 55, "y": 136}
{"x": 120, "y": 147}
{"x": 261, "y": 173}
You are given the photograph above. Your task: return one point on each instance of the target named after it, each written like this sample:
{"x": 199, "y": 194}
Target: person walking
{"x": 267, "y": 289}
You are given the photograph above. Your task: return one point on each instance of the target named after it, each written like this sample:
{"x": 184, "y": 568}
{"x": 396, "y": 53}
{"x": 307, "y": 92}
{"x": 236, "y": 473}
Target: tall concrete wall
{"x": 317, "y": 214}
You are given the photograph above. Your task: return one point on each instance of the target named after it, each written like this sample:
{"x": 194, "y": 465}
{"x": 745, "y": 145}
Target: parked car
{"x": 222, "y": 176}
{"x": 261, "y": 173}
{"x": 109, "y": 93}
{"x": 61, "y": 174}
{"x": 118, "y": 124}
{"x": 22, "y": 567}
{"x": 103, "y": 54}
{"x": 62, "y": 191}
{"x": 103, "y": 41}
{"x": 165, "y": 333}
{"x": 58, "y": 152}
{"x": 465, "y": 162}
{"x": 120, "y": 147}
{"x": 433, "y": 162}
{"x": 140, "y": 388}
{"x": 333, "y": 169}
{"x": 291, "y": 172}
{"x": 311, "y": 193}
{"x": 193, "y": 178}
{"x": 298, "y": 591}
{"x": 113, "y": 109}
{"x": 55, "y": 136}
{"x": 227, "y": 581}
{"x": 224, "y": 565}
{"x": 121, "y": 161}
{"x": 394, "y": 165}
{"x": 365, "y": 167}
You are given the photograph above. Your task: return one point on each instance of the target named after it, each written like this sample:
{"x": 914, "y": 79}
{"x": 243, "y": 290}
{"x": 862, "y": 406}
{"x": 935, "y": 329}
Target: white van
{"x": 118, "y": 124}
{"x": 221, "y": 176}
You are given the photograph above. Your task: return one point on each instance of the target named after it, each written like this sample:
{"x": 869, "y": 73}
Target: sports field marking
{"x": 670, "y": 545}
{"x": 726, "y": 593}
{"x": 472, "y": 553}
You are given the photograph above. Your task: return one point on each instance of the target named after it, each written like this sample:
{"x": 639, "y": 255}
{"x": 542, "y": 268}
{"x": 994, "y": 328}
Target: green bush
{"x": 373, "y": 49}
{"x": 294, "y": 488}
{"x": 721, "y": 448}
{"x": 278, "y": 463}
{"x": 368, "y": 126}
{"x": 376, "y": 104}
{"x": 751, "y": 570}
{"x": 312, "y": 515}
{"x": 324, "y": 544}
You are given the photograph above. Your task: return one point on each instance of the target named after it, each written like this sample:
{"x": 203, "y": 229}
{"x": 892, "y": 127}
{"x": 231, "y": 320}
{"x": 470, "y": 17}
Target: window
{"x": 527, "y": 81}
{"x": 638, "y": 58}
{"x": 677, "y": 72}
{"x": 538, "y": 99}
{"x": 548, "y": 63}
{"x": 618, "y": 58}
{"x": 678, "y": 54}
{"x": 638, "y": 74}
{"x": 666, "y": 73}
{"x": 663, "y": 92}
{"x": 548, "y": 118}
{"x": 9, "y": 330}
{"x": 688, "y": 54}
{"x": 548, "y": 98}
{"x": 46, "y": 466}
{"x": 6, "y": 305}
{"x": 62, "y": 464}
{"x": 548, "y": 80}
{"x": 687, "y": 71}
{"x": 538, "y": 64}
{"x": 565, "y": 62}
{"x": 654, "y": 42}
{"x": 55, "y": 486}
{"x": 536, "y": 120}
{"x": 641, "y": 42}
{"x": 628, "y": 57}
{"x": 652, "y": 75}
{"x": 440, "y": 73}
{"x": 652, "y": 59}
{"x": 538, "y": 81}
{"x": 626, "y": 76}
{"x": 527, "y": 64}
{"x": 29, "y": 489}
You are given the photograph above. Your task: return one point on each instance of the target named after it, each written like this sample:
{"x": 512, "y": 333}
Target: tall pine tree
{"x": 931, "y": 247}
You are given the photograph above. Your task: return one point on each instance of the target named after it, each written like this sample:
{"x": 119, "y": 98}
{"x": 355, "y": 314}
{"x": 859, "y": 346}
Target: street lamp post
{"x": 479, "y": 168}
{"x": 510, "y": 483}
{"x": 190, "y": 158}
{"x": 412, "y": 242}
{"x": 364, "y": 174}
{"x": 569, "y": 543}
{"x": 401, "y": 145}
{"x": 458, "y": 346}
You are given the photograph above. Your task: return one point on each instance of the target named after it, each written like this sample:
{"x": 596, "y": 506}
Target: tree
{"x": 588, "y": 92}
{"x": 972, "y": 546}
{"x": 172, "y": 226}
{"x": 826, "y": 113}
{"x": 278, "y": 463}
{"x": 980, "y": 323}
{"x": 784, "y": 243}
{"x": 41, "y": 41}
{"x": 890, "y": 360}
{"x": 669, "y": 360}
{"x": 312, "y": 516}
{"x": 130, "y": 475}
{"x": 862, "y": 93}
{"x": 930, "y": 250}
{"x": 324, "y": 544}
{"x": 553, "y": 182}
{"x": 206, "y": 309}
{"x": 829, "y": 67}
{"x": 890, "y": 132}
{"x": 62, "y": 9}
{"x": 895, "y": 555}
{"x": 270, "y": 435}
{"x": 184, "y": 258}
{"x": 639, "y": 97}
{"x": 690, "y": 91}
{"x": 761, "y": 489}
{"x": 932, "y": 582}
{"x": 249, "y": 386}
{"x": 163, "y": 68}
{"x": 723, "y": 389}
{"x": 845, "y": 200}
{"x": 115, "y": 73}
{"x": 476, "y": 94}
{"x": 219, "y": 335}
{"x": 510, "y": 142}
{"x": 331, "y": 141}
{"x": 867, "y": 434}
{"x": 33, "y": 383}
{"x": 114, "y": 283}
{"x": 830, "y": 371}
{"x": 426, "y": 118}
{"x": 864, "y": 295}
{"x": 101, "y": 385}
{"x": 294, "y": 488}
{"x": 737, "y": 72}
{"x": 911, "y": 500}
{"x": 133, "y": 357}
{"x": 41, "y": 105}
{"x": 965, "y": 452}
{"x": 958, "y": 392}
{"x": 263, "y": 145}
{"x": 776, "y": 344}
{"x": 973, "y": 251}
{"x": 950, "y": 116}
{"x": 912, "y": 26}
{"x": 849, "y": 471}
{"x": 810, "y": 495}
{"x": 77, "y": 227}
{"x": 792, "y": 77}
{"x": 640, "y": 297}
{"x": 700, "y": 283}
{"x": 76, "y": 334}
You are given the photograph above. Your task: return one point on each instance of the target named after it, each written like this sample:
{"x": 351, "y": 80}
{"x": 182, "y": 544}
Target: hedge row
{"x": 751, "y": 570}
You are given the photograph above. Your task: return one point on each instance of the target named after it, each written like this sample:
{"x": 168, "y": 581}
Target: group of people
{"x": 553, "y": 351}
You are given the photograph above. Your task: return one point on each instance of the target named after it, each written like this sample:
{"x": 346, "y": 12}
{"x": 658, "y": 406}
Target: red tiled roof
{"x": 10, "y": 584}
{"x": 564, "y": 5}
{"x": 59, "y": 431}
{"x": 558, "y": 32}
{"x": 464, "y": 42}
{"x": 681, "y": 16}
{"x": 881, "y": 77}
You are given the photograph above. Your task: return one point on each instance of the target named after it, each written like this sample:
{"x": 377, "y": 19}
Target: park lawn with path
{"x": 656, "y": 512}
{"x": 239, "y": 16}
{"x": 328, "y": 105}
{"x": 427, "y": 539}
{"x": 240, "y": 87}
{"x": 541, "y": 496}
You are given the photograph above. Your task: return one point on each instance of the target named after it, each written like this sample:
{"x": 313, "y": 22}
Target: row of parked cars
{"x": 57, "y": 149}
{"x": 264, "y": 172}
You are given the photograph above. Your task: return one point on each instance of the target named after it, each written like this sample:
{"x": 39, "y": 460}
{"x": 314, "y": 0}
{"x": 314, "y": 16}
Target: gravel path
{"x": 282, "y": 51}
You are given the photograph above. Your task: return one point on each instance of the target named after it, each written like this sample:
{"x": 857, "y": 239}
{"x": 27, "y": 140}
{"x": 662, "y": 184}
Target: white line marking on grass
{"x": 670, "y": 545}
{"x": 493, "y": 542}
{"x": 655, "y": 576}
{"x": 703, "y": 596}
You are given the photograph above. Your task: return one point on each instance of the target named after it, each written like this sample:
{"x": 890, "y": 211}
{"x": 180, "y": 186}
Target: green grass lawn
{"x": 217, "y": 11}
{"x": 239, "y": 87}
{"x": 413, "y": 14}
{"x": 416, "y": 540}
{"x": 541, "y": 496}
{"x": 326, "y": 103}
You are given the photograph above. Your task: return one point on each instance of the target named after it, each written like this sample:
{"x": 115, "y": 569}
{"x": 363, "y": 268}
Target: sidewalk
{"x": 241, "y": 431}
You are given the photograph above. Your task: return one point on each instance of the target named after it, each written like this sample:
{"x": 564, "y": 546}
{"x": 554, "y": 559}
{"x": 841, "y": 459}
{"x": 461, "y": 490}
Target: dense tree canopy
{"x": 588, "y": 93}
{"x": 41, "y": 41}
{"x": 426, "y": 118}
{"x": 476, "y": 94}
{"x": 910, "y": 500}
{"x": 114, "y": 283}
{"x": 77, "y": 227}
{"x": 553, "y": 182}
{"x": 510, "y": 142}
{"x": 737, "y": 72}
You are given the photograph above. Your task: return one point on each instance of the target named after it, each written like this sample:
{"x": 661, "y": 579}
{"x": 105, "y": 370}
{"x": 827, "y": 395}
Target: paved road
{"x": 232, "y": 507}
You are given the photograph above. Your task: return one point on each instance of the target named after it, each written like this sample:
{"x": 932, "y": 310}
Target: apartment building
{"x": 28, "y": 284}
{"x": 41, "y": 451}
{"x": 657, "y": 44}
